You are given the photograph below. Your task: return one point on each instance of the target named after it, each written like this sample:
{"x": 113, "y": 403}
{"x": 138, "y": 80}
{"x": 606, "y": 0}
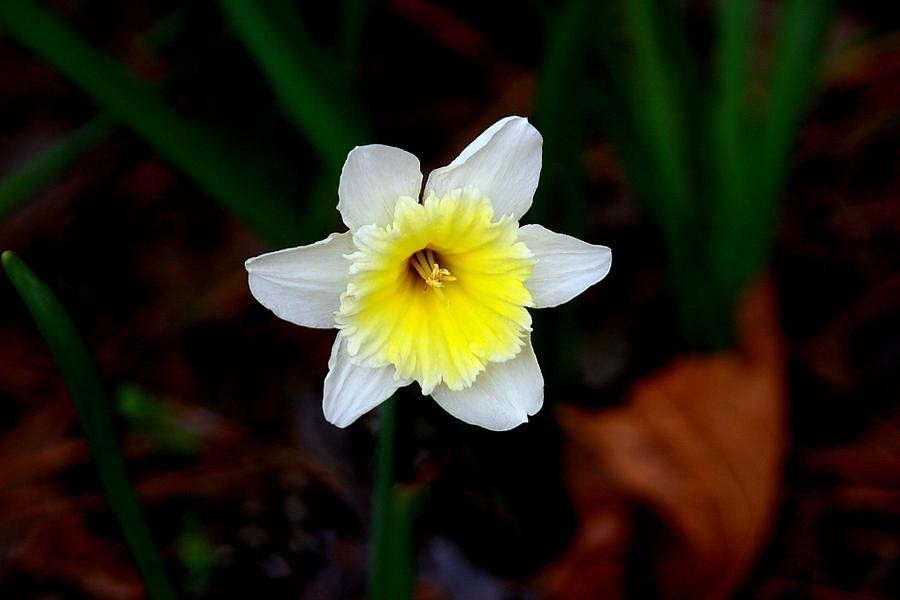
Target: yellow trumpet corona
{"x": 399, "y": 310}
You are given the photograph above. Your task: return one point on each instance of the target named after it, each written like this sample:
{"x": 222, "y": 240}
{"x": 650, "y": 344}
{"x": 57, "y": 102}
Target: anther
{"x": 425, "y": 264}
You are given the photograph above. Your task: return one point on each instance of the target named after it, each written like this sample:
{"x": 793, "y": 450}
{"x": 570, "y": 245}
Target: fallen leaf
{"x": 699, "y": 446}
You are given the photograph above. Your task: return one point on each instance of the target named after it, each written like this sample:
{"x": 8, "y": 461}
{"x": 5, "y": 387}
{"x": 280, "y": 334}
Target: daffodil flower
{"x": 435, "y": 291}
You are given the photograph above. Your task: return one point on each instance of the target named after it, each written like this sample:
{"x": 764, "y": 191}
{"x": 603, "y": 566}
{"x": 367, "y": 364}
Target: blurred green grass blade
{"x": 795, "y": 67}
{"x": 613, "y": 100}
{"x": 84, "y": 386}
{"x": 164, "y": 30}
{"x": 560, "y": 114}
{"x": 353, "y": 19}
{"x": 332, "y": 132}
{"x": 660, "y": 112}
{"x": 684, "y": 65}
{"x": 17, "y": 186}
{"x": 215, "y": 165}
{"x": 620, "y": 104}
{"x": 321, "y": 61}
{"x": 661, "y": 123}
{"x": 663, "y": 159}
{"x": 728, "y": 154}
{"x": 732, "y": 205}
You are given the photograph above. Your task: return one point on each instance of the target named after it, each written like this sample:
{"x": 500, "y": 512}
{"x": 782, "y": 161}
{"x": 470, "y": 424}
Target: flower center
{"x": 424, "y": 262}
{"x": 439, "y": 292}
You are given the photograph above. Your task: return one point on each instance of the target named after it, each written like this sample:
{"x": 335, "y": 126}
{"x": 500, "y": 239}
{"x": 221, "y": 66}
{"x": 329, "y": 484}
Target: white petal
{"x": 504, "y": 163}
{"x": 565, "y": 267}
{"x": 303, "y": 285}
{"x": 351, "y": 390}
{"x": 503, "y": 396}
{"x": 372, "y": 179}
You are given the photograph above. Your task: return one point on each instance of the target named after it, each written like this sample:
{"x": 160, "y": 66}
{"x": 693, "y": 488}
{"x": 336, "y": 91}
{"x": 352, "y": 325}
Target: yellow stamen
{"x": 426, "y": 265}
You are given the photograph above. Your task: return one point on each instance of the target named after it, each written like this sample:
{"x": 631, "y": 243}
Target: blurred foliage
{"x": 96, "y": 419}
{"x": 708, "y": 162}
{"x": 226, "y": 172}
{"x": 31, "y": 177}
{"x": 149, "y": 416}
{"x": 274, "y": 34}
{"x": 197, "y": 556}
{"x": 707, "y": 156}
{"x": 705, "y": 146}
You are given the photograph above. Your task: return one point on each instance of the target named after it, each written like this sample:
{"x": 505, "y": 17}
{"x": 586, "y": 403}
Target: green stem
{"x": 381, "y": 500}
{"x": 394, "y": 509}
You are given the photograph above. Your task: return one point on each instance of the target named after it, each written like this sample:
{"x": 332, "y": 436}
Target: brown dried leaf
{"x": 700, "y": 445}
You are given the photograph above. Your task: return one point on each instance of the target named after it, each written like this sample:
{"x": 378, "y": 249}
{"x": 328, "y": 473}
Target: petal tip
{"x": 508, "y": 426}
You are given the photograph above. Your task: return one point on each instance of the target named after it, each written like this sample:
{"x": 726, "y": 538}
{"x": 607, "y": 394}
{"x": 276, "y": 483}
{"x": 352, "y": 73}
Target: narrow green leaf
{"x": 17, "y": 186}
{"x": 747, "y": 234}
{"x": 207, "y": 157}
{"x": 645, "y": 109}
{"x": 728, "y": 154}
{"x": 685, "y": 68}
{"x": 560, "y": 114}
{"x": 353, "y": 19}
{"x": 322, "y": 61}
{"x": 616, "y": 114}
{"x": 93, "y": 409}
{"x": 613, "y": 97}
{"x": 796, "y": 63}
{"x": 660, "y": 112}
{"x": 305, "y": 101}
{"x": 731, "y": 204}
{"x": 164, "y": 30}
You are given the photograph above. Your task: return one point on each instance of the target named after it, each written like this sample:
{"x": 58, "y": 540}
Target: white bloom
{"x": 435, "y": 291}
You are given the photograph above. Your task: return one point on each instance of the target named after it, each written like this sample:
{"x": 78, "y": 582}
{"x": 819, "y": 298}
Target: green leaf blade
{"x": 215, "y": 165}
{"x": 332, "y": 132}
{"x": 78, "y": 371}
{"x": 17, "y": 186}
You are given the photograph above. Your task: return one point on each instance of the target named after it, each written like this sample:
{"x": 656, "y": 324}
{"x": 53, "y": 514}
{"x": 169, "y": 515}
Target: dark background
{"x": 250, "y": 493}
